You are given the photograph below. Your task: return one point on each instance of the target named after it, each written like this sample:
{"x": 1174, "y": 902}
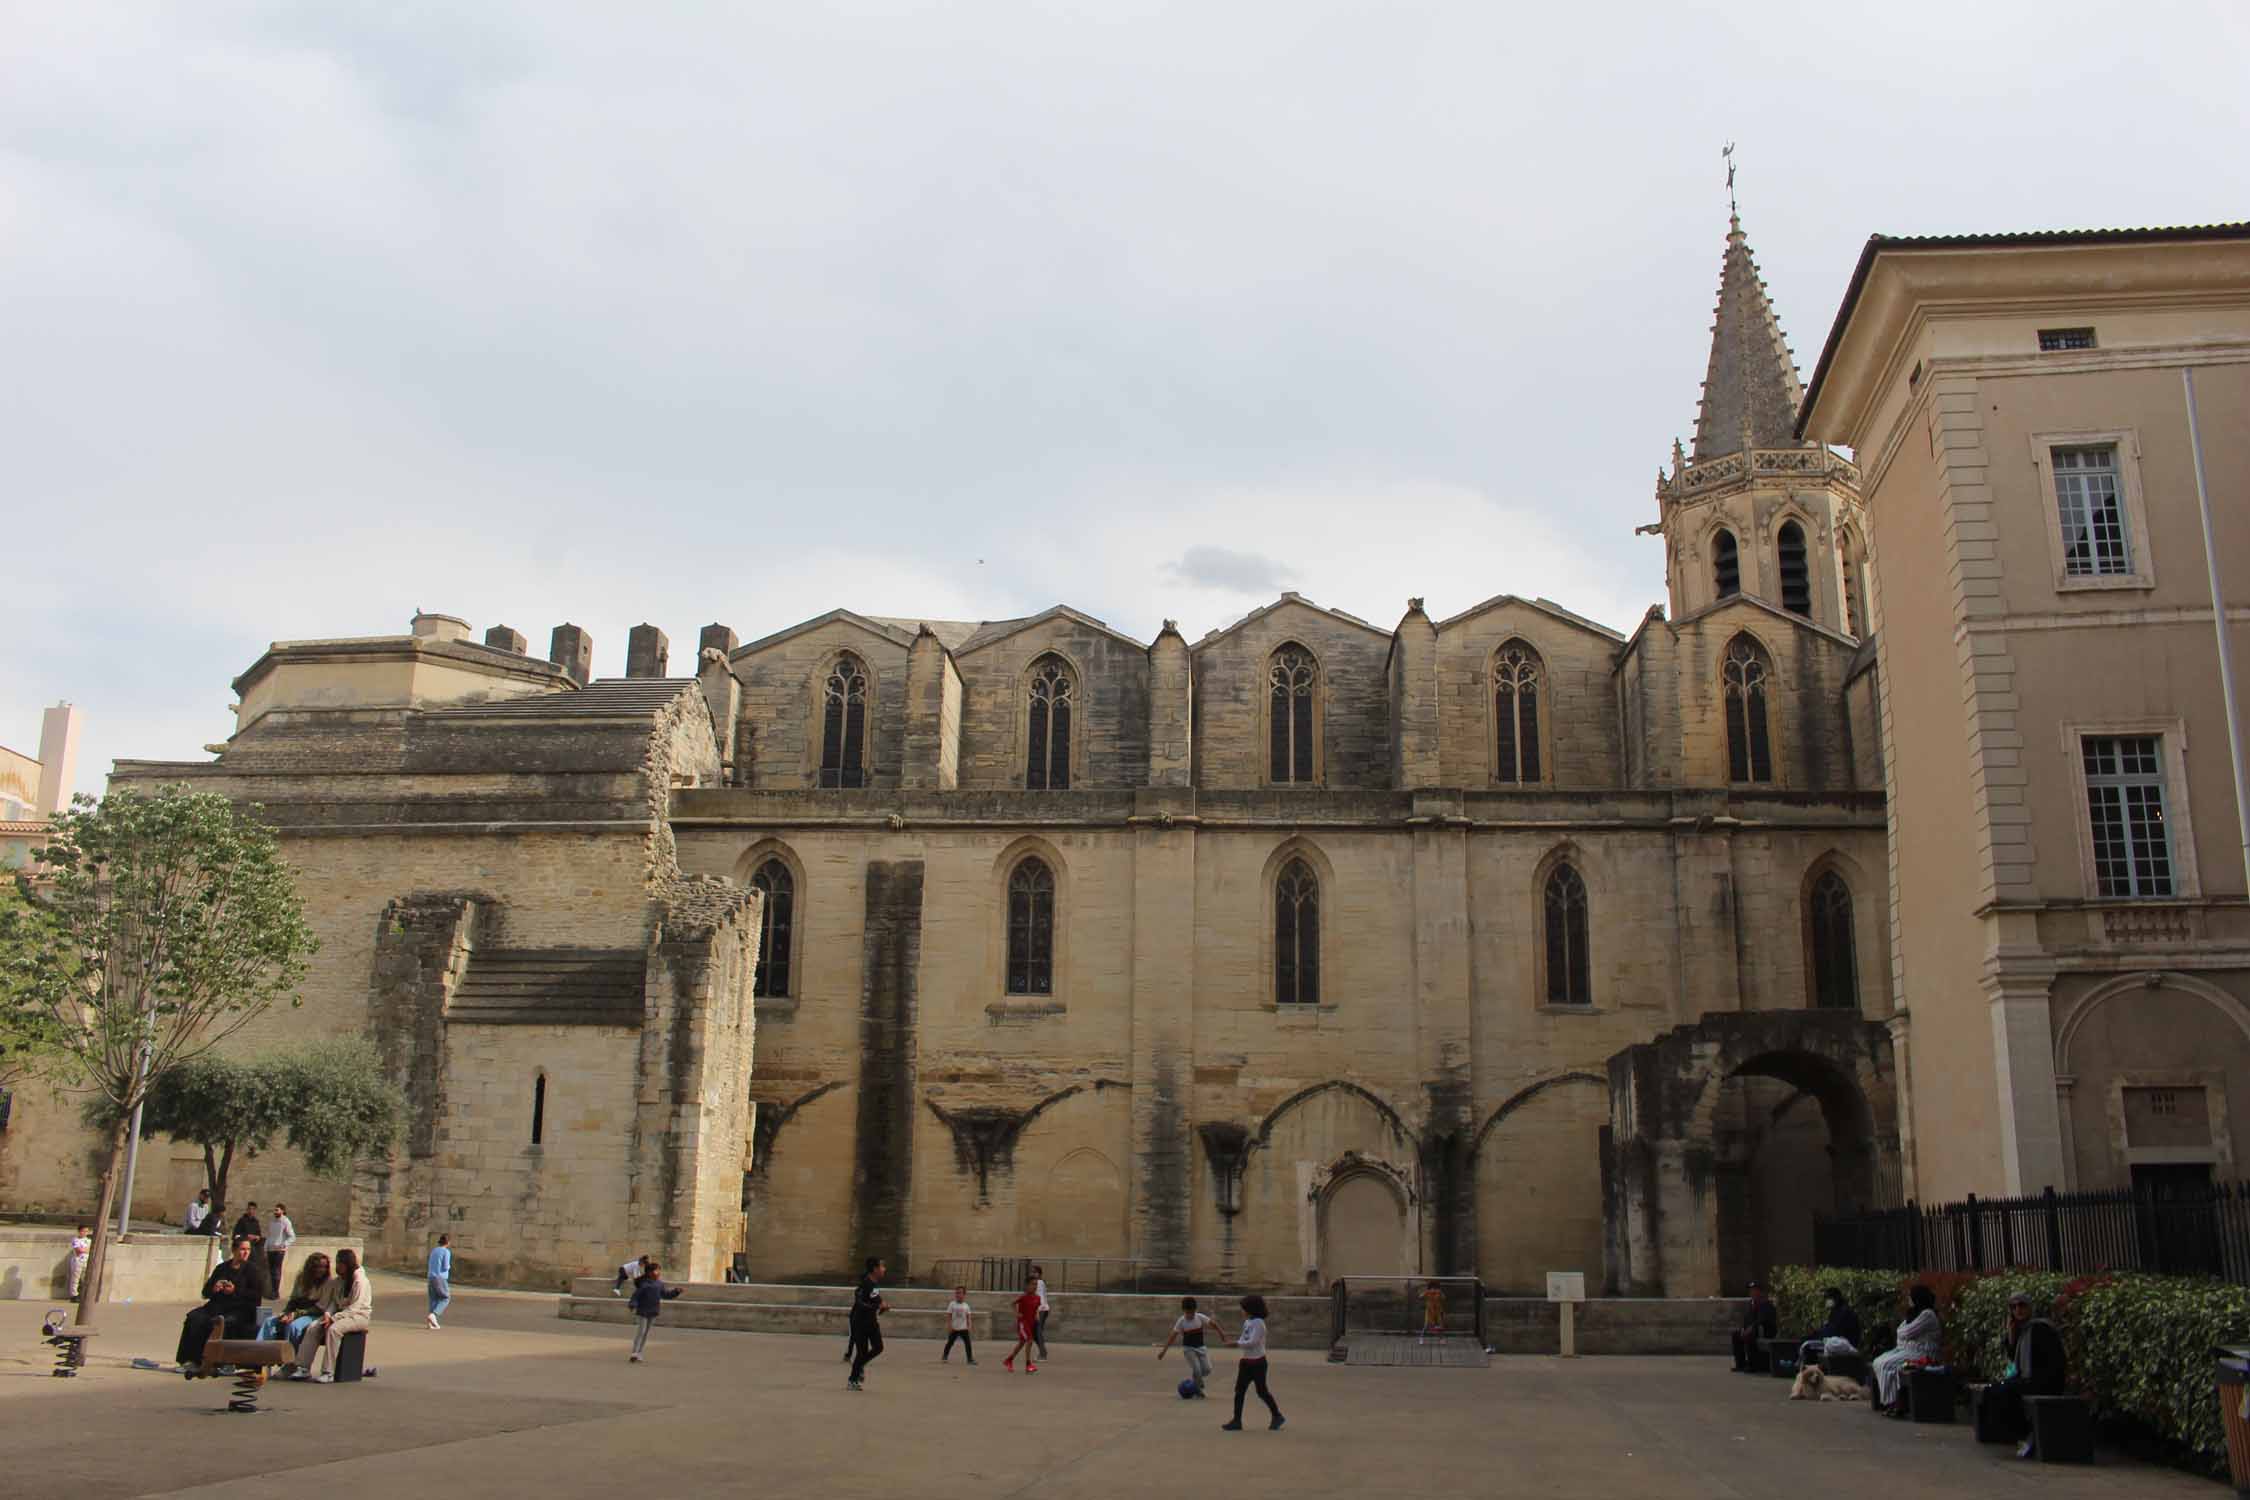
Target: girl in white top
{"x": 957, "y": 1326}
{"x": 1250, "y": 1370}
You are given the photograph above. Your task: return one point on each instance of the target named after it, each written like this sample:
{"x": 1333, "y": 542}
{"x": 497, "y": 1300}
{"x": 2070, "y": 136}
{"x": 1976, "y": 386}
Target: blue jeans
{"x": 441, "y": 1293}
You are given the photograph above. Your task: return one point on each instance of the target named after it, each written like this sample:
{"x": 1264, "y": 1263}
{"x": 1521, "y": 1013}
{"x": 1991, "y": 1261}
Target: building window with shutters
{"x": 1726, "y": 565}
{"x": 1292, "y": 717}
{"x": 1569, "y": 964}
{"x": 843, "y": 723}
{"x": 1516, "y": 678}
{"x": 1795, "y": 569}
{"x": 1748, "y": 678}
{"x": 1051, "y": 697}
{"x": 1031, "y": 929}
{"x": 1296, "y": 935}
{"x": 776, "y": 930}
{"x": 1835, "y": 961}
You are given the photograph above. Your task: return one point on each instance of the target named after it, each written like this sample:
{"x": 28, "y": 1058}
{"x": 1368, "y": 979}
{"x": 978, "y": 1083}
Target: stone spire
{"x": 1750, "y": 393}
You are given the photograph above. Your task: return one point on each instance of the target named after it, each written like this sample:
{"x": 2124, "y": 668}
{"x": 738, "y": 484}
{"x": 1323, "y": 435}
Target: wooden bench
{"x": 249, "y": 1359}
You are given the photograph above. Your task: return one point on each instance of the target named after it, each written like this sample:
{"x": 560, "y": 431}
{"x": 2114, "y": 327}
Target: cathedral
{"x": 1499, "y": 944}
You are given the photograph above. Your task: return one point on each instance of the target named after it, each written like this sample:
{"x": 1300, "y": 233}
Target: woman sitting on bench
{"x": 1921, "y": 1341}
{"x": 347, "y": 1305}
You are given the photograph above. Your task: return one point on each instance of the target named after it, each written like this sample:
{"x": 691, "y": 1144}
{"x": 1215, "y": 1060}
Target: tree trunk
{"x": 219, "y": 1184}
{"x": 97, "y": 1254}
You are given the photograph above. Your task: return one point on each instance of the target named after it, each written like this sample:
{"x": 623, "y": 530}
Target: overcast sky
{"x": 314, "y": 314}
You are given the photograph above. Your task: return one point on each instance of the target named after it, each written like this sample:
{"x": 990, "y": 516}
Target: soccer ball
{"x": 1187, "y": 1390}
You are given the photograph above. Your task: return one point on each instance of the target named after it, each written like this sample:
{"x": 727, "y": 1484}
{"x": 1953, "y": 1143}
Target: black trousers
{"x": 867, "y": 1344}
{"x": 962, "y": 1334}
{"x": 1749, "y": 1353}
{"x": 1248, "y": 1373}
{"x": 195, "y": 1328}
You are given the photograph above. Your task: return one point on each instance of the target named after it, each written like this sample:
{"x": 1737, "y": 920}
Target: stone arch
{"x": 1536, "y": 1169}
{"x": 1288, "y": 1157}
{"x": 1364, "y": 1212}
{"x": 1297, "y": 1100}
{"x": 1664, "y": 1147}
{"x": 1080, "y": 1208}
{"x": 2125, "y": 984}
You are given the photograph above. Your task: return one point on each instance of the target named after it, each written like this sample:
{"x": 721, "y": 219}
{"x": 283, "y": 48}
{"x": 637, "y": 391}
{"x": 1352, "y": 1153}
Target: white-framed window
{"x": 2097, "y": 528}
{"x": 2131, "y": 837}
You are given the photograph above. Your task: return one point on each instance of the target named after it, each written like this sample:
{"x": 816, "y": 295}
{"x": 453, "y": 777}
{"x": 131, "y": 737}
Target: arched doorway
{"x": 1726, "y": 1137}
{"x": 1363, "y": 1227}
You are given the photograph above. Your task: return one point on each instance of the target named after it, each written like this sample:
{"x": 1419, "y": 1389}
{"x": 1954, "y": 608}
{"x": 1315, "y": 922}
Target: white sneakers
{"x": 433, "y": 1320}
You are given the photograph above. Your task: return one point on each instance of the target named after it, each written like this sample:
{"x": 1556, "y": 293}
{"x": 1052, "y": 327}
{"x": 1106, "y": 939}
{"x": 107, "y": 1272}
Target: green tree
{"x": 163, "y": 922}
{"x": 330, "y": 1101}
{"x": 28, "y": 1040}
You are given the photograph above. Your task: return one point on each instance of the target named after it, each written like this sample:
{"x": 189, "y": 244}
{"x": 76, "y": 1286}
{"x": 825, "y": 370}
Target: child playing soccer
{"x": 1250, "y": 1370}
{"x": 1027, "y": 1328}
{"x": 1188, "y": 1328}
{"x": 1433, "y": 1311}
{"x": 957, "y": 1326}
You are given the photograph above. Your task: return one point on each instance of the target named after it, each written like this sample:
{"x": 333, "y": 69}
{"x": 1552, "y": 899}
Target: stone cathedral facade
{"x": 1499, "y": 943}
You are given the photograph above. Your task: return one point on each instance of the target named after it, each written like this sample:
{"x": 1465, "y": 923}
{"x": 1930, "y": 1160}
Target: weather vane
{"x": 1727, "y": 152}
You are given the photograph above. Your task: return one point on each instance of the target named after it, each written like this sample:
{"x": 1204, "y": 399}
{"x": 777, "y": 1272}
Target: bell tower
{"x": 1753, "y": 509}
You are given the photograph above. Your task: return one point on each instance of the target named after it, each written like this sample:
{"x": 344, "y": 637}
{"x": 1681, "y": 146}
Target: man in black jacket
{"x": 1759, "y": 1322}
{"x": 867, "y": 1332}
{"x": 231, "y": 1294}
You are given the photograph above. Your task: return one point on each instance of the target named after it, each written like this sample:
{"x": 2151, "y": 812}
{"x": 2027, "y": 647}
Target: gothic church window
{"x": 1296, "y": 935}
{"x": 1031, "y": 929}
{"x": 1796, "y": 570}
{"x": 1293, "y": 680}
{"x": 843, "y": 724}
{"x": 1834, "y": 960}
{"x": 776, "y": 929}
{"x": 1052, "y": 693}
{"x": 1726, "y": 565}
{"x": 1515, "y": 714}
{"x": 1749, "y": 677}
{"x": 1569, "y": 967}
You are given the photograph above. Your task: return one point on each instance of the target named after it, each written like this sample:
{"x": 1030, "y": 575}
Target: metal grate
{"x": 2052, "y": 339}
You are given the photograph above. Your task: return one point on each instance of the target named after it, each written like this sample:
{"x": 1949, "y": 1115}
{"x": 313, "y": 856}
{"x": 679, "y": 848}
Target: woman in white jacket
{"x": 1921, "y": 1340}
{"x": 349, "y": 1303}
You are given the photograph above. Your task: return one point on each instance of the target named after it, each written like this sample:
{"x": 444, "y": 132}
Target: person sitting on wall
{"x": 231, "y": 1294}
{"x": 2036, "y": 1366}
{"x": 1759, "y": 1322}
{"x": 196, "y": 1219}
{"x": 1840, "y": 1334}
{"x": 1921, "y": 1341}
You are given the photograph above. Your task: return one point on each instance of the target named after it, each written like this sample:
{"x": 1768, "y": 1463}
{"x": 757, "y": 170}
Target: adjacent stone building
{"x": 2070, "y": 946}
{"x": 1500, "y": 943}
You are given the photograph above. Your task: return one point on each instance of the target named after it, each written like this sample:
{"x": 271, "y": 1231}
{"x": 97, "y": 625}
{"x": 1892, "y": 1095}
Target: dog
{"x": 1815, "y": 1384}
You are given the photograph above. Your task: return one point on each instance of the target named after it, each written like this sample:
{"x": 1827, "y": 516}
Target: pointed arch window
{"x": 1516, "y": 673}
{"x": 1855, "y": 583}
{"x": 1031, "y": 929}
{"x": 776, "y": 929}
{"x": 1749, "y": 677}
{"x": 1053, "y": 695}
{"x": 1570, "y": 979}
{"x": 843, "y": 724}
{"x": 1726, "y": 564}
{"x": 1796, "y": 569}
{"x": 1296, "y": 935}
{"x": 1292, "y": 684}
{"x": 1835, "y": 969}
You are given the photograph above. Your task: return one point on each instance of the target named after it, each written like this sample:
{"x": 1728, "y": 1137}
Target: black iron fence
{"x": 1064, "y": 1273}
{"x": 2201, "y": 1230}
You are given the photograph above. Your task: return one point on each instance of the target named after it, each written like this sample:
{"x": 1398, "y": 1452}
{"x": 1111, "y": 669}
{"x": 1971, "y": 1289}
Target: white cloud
{"x": 530, "y": 311}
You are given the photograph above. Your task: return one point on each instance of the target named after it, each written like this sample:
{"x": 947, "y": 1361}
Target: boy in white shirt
{"x": 81, "y": 1246}
{"x": 957, "y": 1326}
{"x": 1189, "y": 1328}
{"x": 1039, "y": 1329}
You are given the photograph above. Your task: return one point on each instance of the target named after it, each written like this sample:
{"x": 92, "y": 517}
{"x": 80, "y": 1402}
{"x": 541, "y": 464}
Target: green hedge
{"x": 1800, "y": 1298}
{"x": 2139, "y": 1346}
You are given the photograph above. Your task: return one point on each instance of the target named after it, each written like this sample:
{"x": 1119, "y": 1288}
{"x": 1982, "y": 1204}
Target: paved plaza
{"x": 510, "y": 1400}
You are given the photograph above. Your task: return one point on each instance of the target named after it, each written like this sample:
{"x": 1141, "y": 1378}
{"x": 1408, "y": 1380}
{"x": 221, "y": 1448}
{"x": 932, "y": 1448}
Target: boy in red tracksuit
{"x": 1027, "y": 1328}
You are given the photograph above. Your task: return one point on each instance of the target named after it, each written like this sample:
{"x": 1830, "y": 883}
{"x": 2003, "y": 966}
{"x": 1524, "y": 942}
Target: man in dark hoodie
{"x": 649, "y": 1296}
{"x": 867, "y": 1331}
{"x": 231, "y": 1294}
